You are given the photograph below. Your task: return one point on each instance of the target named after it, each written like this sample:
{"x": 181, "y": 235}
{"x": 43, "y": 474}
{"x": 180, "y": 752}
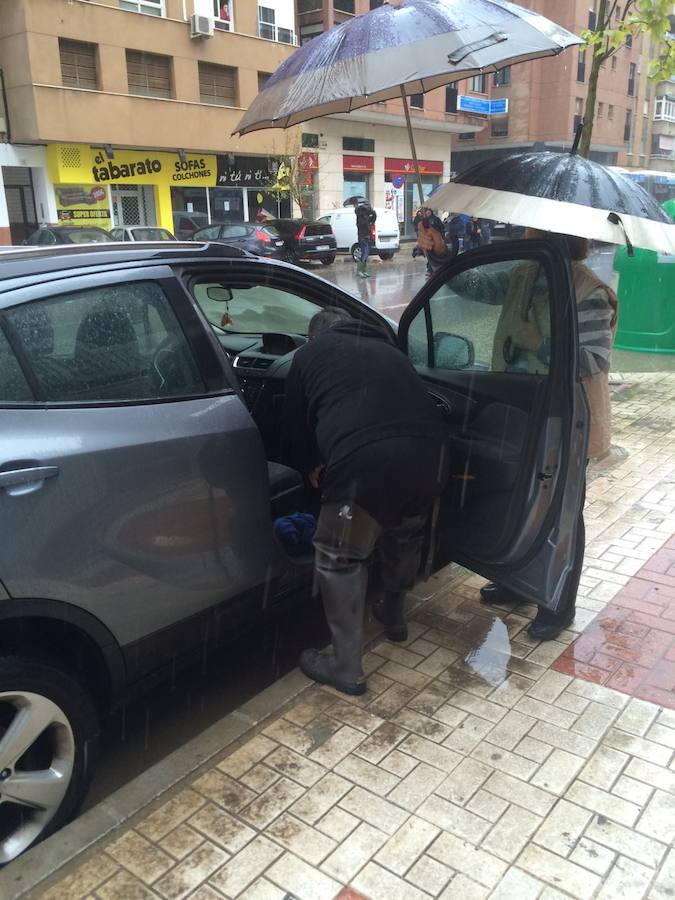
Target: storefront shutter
{"x": 78, "y": 64}
{"x": 149, "y": 74}
{"x": 217, "y": 84}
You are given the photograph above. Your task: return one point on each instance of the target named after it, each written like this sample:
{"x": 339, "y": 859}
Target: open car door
{"x": 494, "y": 336}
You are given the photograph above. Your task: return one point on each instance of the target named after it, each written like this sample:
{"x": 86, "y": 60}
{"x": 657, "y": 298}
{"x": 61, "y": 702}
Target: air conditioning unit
{"x": 201, "y": 26}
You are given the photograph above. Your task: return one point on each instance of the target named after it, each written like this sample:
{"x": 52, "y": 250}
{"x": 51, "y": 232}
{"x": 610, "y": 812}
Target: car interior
{"x": 487, "y": 390}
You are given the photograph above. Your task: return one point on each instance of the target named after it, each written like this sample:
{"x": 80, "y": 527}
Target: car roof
{"x": 22, "y": 262}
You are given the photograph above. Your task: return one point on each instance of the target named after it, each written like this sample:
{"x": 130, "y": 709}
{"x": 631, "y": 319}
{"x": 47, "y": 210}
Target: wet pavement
{"x": 474, "y": 766}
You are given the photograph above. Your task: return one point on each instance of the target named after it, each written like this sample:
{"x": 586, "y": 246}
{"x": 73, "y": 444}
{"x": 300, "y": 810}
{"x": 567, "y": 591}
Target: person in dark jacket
{"x": 359, "y": 422}
{"x": 365, "y": 218}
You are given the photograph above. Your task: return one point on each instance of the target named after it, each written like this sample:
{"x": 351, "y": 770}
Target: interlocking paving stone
{"x": 302, "y": 880}
{"x": 246, "y": 866}
{"x": 190, "y": 873}
{"x": 379, "y": 884}
{"x": 429, "y": 875}
{"x": 354, "y": 852}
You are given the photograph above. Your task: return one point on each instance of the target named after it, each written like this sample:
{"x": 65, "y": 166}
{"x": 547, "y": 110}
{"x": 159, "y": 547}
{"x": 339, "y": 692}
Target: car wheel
{"x": 387, "y": 255}
{"x": 356, "y": 252}
{"x": 48, "y": 744}
{"x": 328, "y": 260}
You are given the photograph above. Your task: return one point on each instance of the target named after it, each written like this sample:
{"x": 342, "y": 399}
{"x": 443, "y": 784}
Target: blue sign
{"x": 397, "y": 181}
{"x": 479, "y": 106}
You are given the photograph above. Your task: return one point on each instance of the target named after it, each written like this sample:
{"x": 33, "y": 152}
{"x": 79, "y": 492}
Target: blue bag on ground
{"x": 296, "y": 533}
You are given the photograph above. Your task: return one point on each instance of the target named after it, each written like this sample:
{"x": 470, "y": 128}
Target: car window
{"x": 257, "y": 310}
{"x": 13, "y": 386}
{"x": 88, "y": 236}
{"x": 234, "y": 231}
{"x": 494, "y": 318}
{"x": 207, "y": 234}
{"x": 152, "y": 234}
{"x": 117, "y": 342}
{"x": 117, "y": 234}
{"x": 325, "y": 220}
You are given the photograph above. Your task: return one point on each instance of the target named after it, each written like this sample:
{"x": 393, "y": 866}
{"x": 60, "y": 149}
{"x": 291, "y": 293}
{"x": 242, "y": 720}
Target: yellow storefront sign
{"x": 90, "y": 168}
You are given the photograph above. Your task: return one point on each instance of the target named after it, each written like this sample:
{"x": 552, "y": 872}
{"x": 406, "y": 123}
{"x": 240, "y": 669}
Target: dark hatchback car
{"x": 141, "y": 407}
{"x": 68, "y": 234}
{"x": 263, "y": 239}
{"x": 307, "y": 239}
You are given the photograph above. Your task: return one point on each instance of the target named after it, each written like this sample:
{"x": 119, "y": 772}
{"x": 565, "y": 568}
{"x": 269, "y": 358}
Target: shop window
{"x": 466, "y": 135}
{"x": 478, "y": 84}
{"x": 149, "y": 7}
{"x": 500, "y": 127}
{"x": 416, "y": 101}
{"x": 78, "y": 64}
{"x": 309, "y": 140}
{"x": 149, "y": 74}
{"x": 358, "y": 145}
{"x": 263, "y": 78}
{"x": 451, "y": 99}
{"x": 217, "y": 84}
{"x": 222, "y": 14}
{"x": 502, "y": 77}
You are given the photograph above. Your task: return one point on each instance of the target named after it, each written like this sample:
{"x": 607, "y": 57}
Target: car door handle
{"x": 29, "y": 475}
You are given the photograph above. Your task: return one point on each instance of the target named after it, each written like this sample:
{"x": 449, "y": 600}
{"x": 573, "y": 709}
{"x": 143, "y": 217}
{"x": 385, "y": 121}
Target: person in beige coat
{"x": 522, "y": 343}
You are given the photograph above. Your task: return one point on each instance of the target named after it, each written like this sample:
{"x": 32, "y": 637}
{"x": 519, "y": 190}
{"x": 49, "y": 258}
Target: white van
{"x": 343, "y": 223}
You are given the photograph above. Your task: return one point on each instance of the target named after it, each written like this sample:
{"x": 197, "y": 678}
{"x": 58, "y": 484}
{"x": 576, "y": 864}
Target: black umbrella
{"x": 560, "y": 192}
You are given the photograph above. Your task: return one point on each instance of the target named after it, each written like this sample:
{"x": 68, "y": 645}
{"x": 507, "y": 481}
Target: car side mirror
{"x": 219, "y": 294}
{"x": 451, "y": 351}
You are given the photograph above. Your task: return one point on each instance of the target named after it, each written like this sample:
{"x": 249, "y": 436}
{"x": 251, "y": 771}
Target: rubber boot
{"x": 496, "y": 594}
{"x": 547, "y": 625}
{"x": 343, "y": 592}
{"x": 361, "y": 270}
{"x": 390, "y": 610}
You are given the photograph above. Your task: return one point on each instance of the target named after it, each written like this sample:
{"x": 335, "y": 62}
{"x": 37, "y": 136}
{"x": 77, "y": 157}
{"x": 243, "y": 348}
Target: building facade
{"x": 120, "y": 112}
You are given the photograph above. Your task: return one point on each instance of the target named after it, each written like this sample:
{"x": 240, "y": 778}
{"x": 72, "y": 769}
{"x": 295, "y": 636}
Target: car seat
{"x": 107, "y": 356}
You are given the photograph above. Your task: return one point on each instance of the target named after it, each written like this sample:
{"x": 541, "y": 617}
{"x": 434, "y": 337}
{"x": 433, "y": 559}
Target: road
{"x": 160, "y": 722}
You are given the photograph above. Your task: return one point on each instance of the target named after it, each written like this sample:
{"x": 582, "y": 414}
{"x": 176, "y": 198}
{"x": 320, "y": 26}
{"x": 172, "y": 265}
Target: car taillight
{"x": 265, "y": 238}
{"x": 300, "y": 234}
{"x": 372, "y": 232}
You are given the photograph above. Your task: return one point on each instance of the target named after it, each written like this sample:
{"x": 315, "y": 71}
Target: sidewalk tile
{"x": 504, "y": 761}
{"x": 191, "y": 872}
{"x": 429, "y": 875}
{"x": 487, "y": 806}
{"x": 626, "y": 879}
{"x": 603, "y": 803}
{"x": 247, "y": 756}
{"x": 558, "y": 872}
{"x": 563, "y": 827}
{"x": 454, "y": 819}
{"x": 604, "y": 767}
{"x": 123, "y": 884}
{"x": 290, "y": 735}
{"x": 260, "y": 777}
{"x": 468, "y": 734}
{"x": 380, "y": 743}
{"x": 467, "y": 859}
{"x": 464, "y": 887}
{"x": 181, "y": 841}
{"x": 223, "y": 790}
{"x": 422, "y": 725}
{"x": 634, "y": 791}
{"x": 366, "y": 775}
{"x": 432, "y": 754}
{"x": 625, "y": 841}
{"x": 144, "y": 860}
{"x": 170, "y": 814}
{"x": 515, "y": 791}
{"x": 558, "y": 772}
{"x": 398, "y": 763}
{"x": 511, "y": 833}
{"x": 658, "y": 819}
{"x": 301, "y": 880}
{"x": 377, "y": 883}
{"x": 517, "y": 885}
{"x": 464, "y": 781}
{"x": 246, "y": 866}
{"x": 86, "y": 878}
{"x": 222, "y": 828}
{"x": 374, "y": 810}
{"x": 656, "y": 776}
{"x": 337, "y": 823}
{"x": 637, "y": 717}
{"x": 392, "y": 700}
{"x": 510, "y": 730}
{"x": 355, "y": 717}
{"x": 292, "y": 765}
{"x": 354, "y": 852}
{"x": 301, "y": 839}
{"x": 262, "y": 889}
{"x": 662, "y": 889}
{"x": 265, "y": 808}
{"x": 593, "y": 856}
{"x": 406, "y": 846}
{"x": 316, "y": 802}
{"x": 337, "y": 746}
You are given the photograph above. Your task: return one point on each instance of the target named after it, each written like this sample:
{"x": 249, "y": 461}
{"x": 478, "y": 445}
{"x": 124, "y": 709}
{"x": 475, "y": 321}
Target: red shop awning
{"x": 358, "y": 163}
{"x": 396, "y": 166}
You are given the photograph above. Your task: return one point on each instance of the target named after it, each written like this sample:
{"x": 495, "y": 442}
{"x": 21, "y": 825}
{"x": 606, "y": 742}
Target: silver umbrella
{"x": 404, "y": 47}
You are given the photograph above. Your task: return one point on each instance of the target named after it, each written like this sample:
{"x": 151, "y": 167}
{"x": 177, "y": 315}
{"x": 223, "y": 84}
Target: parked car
{"x": 68, "y": 234}
{"x": 141, "y": 407}
{"x": 307, "y": 239}
{"x": 262, "y": 239}
{"x": 385, "y": 231}
{"x": 504, "y": 231}
{"x": 186, "y": 223}
{"x": 141, "y": 233}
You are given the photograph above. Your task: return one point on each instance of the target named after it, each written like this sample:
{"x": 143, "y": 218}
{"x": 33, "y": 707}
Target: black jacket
{"x": 365, "y": 217}
{"x": 350, "y": 387}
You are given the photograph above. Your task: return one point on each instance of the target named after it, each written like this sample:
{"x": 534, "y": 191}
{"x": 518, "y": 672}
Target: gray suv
{"x": 141, "y": 396}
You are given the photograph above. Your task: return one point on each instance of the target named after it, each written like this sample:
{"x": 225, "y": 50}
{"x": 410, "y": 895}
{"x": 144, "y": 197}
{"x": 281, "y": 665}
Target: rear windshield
{"x": 317, "y": 228}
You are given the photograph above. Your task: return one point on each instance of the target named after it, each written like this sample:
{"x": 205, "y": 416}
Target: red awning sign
{"x": 358, "y": 163}
{"x": 396, "y": 166}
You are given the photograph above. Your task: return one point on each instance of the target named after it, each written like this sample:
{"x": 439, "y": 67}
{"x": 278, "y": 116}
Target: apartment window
{"x": 601, "y": 110}
{"x": 263, "y": 78}
{"x": 309, "y": 140}
{"x": 499, "y": 127}
{"x": 610, "y": 112}
{"x": 149, "y": 7}
{"x": 592, "y": 19}
{"x": 581, "y": 67}
{"x": 358, "y": 145}
{"x": 309, "y": 32}
{"x": 664, "y": 109}
{"x": 502, "y": 77}
{"x": 416, "y": 101}
{"x": 149, "y": 74}
{"x": 218, "y": 84}
{"x": 78, "y": 64}
{"x": 375, "y": 3}
{"x": 266, "y": 23}
{"x": 222, "y": 14}
{"x": 466, "y": 135}
{"x": 627, "y": 125}
{"x": 629, "y": 41}
{"x": 479, "y": 84}
{"x": 345, "y": 6}
{"x": 614, "y": 64}
{"x": 451, "y": 99}
{"x": 631, "y": 79}
{"x": 305, "y": 6}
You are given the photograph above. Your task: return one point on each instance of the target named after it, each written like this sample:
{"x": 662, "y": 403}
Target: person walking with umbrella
{"x": 365, "y": 219}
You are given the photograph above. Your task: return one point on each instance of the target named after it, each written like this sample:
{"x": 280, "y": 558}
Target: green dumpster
{"x": 646, "y": 293}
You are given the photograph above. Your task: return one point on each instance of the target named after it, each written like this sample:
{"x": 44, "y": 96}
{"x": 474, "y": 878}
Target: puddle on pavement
{"x": 488, "y": 659}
